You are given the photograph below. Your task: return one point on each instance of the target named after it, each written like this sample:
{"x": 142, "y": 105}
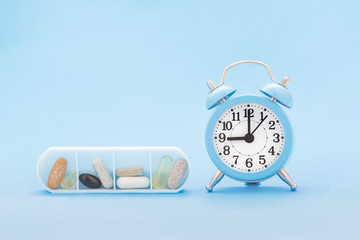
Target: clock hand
{"x": 249, "y": 122}
{"x": 259, "y": 125}
{"x": 235, "y": 138}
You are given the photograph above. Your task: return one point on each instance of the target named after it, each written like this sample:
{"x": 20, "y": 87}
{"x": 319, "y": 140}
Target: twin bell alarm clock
{"x": 249, "y": 137}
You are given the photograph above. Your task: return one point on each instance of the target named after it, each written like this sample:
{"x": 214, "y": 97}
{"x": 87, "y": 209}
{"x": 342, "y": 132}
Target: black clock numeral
{"x": 236, "y": 157}
{"x": 262, "y": 117}
{"x": 249, "y": 112}
{"x": 277, "y": 137}
{"x": 262, "y": 160}
{"x": 249, "y": 163}
{"x": 226, "y": 150}
{"x": 227, "y": 125}
{"x": 271, "y": 150}
{"x": 236, "y": 116}
{"x": 272, "y": 125}
{"x": 222, "y": 137}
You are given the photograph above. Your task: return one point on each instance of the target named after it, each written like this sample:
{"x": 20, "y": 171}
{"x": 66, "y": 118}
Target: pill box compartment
{"x": 130, "y": 158}
{"x": 79, "y": 160}
{"x": 47, "y": 161}
{"x": 85, "y": 159}
{"x": 156, "y": 157}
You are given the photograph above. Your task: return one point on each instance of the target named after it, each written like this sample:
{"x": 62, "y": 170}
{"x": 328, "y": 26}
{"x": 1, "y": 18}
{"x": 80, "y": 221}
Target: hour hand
{"x": 235, "y": 138}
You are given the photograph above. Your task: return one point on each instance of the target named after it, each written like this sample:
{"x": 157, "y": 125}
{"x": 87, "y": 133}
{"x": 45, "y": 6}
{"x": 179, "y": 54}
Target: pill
{"x": 57, "y": 173}
{"x": 129, "y": 171}
{"x": 102, "y": 173}
{"x": 162, "y": 172}
{"x": 90, "y": 180}
{"x": 69, "y": 180}
{"x": 133, "y": 182}
{"x": 177, "y": 173}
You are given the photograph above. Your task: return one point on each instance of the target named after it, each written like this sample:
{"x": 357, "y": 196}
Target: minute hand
{"x": 258, "y": 125}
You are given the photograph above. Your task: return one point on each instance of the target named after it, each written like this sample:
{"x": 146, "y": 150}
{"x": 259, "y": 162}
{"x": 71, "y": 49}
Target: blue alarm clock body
{"x": 248, "y": 137}
{"x": 283, "y": 98}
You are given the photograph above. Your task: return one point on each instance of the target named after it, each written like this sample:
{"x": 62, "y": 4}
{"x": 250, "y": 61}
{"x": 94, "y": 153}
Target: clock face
{"x": 248, "y": 137}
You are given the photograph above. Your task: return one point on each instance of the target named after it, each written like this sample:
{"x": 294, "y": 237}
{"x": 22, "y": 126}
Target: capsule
{"x": 129, "y": 171}
{"x": 133, "y": 182}
{"x": 162, "y": 172}
{"x": 102, "y": 173}
{"x": 90, "y": 180}
{"x": 69, "y": 180}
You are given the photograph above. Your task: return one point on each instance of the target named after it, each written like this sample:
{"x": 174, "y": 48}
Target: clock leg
{"x": 217, "y": 178}
{"x": 286, "y": 178}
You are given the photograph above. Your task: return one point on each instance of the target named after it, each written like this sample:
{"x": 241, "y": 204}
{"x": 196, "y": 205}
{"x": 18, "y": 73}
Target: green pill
{"x": 162, "y": 172}
{"x": 69, "y": 180}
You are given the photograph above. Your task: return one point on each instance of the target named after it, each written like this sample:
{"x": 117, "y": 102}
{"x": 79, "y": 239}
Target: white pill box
{"x": 79, "y": 160}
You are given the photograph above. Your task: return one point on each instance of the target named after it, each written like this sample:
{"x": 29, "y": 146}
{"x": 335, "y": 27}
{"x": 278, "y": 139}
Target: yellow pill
{"x": 162, "y": 172}
{"x": 69, "y": 180}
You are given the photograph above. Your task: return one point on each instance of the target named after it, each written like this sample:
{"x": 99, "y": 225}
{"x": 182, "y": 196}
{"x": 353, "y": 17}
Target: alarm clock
{"x": 248, "y": 137}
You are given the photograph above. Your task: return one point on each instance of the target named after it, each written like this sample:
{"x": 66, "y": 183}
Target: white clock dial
{"x": 248, "y": 137}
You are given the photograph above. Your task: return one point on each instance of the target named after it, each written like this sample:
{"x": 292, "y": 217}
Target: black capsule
{"x": 90, "y": 181}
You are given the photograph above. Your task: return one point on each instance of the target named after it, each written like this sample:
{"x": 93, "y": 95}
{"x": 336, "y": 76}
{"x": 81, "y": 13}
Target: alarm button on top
{"x": 279, "y": 92}
{"x": 218, "y": 95}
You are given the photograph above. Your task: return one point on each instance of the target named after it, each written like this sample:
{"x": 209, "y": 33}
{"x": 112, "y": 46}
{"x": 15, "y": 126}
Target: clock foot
{"x": 217, "y": 178}
{"x": 286, "y": 178}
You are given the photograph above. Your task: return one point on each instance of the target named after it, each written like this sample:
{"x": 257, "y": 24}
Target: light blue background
{"x": 134, "y": 73}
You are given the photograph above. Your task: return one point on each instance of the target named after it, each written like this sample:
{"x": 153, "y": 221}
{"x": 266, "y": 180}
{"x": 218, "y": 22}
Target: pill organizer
{"x": 79, "y": 160}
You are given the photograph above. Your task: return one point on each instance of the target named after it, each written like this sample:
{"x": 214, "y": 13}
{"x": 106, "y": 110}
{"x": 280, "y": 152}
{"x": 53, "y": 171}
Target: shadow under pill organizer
{"x": 113, "y": 169}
